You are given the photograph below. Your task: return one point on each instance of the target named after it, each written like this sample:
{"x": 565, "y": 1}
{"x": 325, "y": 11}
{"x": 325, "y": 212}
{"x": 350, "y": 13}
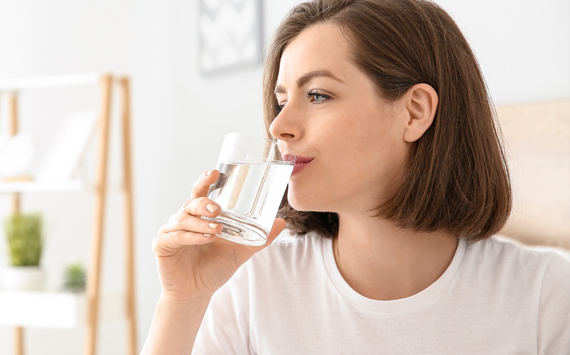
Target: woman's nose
{"x": 283, "y": 126}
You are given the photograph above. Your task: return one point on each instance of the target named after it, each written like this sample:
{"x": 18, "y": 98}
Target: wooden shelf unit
{"x": 41, "y": 186}
{"x": 71, "y": 304}
{"x": 62, "y": 310}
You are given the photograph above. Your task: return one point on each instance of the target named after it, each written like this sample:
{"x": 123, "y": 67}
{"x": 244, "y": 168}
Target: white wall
{"x": 523, "y": 46}
{"x": 180, "y": 116}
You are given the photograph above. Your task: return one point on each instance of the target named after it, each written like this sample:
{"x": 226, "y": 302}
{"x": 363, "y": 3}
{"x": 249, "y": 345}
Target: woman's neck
{"x": 383, "y": 262}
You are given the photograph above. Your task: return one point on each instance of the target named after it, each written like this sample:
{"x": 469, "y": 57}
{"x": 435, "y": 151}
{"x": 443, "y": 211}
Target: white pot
{"x": 23, "y": 278}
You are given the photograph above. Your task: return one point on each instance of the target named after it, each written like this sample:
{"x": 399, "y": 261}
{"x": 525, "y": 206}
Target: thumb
{"x": 278, "y": 227}
{"x": 247, "y": 252}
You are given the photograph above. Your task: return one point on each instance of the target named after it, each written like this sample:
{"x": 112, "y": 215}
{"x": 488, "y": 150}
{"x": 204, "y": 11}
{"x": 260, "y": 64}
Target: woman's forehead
{"x": 319, "y": 47}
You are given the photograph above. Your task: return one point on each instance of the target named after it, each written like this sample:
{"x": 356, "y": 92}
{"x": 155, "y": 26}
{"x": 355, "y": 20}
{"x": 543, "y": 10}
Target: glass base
{"x": 237, "y": 230}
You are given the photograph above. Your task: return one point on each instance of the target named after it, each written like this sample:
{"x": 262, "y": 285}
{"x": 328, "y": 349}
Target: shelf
{"x": 47, "y": 82}
{"x": 69, "y": 310}
{"x": 41, "y": 186}
{"x": 54, "y": 309}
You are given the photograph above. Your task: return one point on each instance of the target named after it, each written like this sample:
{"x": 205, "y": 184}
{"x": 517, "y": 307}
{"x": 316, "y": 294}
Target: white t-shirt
{"x": 494, "y": 298}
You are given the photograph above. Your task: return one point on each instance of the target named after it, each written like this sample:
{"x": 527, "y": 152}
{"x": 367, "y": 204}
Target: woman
{"x": 403, "y": 184}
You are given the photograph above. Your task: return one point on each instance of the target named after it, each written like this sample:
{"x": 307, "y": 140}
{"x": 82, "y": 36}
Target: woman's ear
{"x": 421, "y": 102}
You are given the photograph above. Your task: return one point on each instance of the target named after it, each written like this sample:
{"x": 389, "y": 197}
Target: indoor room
{"x": 114, "y": 134}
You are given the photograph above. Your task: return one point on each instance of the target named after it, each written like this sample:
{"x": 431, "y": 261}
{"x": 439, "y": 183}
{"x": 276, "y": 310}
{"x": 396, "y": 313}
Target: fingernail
{"x": 212, "y": 208}
{"x": 209, "y": 172}
{"x": 206, "y": 235}
{"x": 213, "y": 225}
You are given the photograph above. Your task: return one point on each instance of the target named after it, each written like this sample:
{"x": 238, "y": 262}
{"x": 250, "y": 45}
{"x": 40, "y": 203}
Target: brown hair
{"x": 457, "y": 178}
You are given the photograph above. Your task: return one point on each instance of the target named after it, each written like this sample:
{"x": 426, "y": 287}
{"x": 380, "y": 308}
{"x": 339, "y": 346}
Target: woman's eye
{"x": 278, "y": 108}
{"x": 318, "y": 98}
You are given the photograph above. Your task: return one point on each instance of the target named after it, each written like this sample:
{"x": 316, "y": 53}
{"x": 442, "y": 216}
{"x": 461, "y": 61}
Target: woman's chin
{"x": 304, "y": 203}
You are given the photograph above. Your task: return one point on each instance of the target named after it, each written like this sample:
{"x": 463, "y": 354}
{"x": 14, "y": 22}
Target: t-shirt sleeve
{"x": 554, "y": 308}
{"x": 225, "y": 328}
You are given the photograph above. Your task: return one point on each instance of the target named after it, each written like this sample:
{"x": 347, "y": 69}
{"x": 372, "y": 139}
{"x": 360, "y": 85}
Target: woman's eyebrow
{"x": 308, "y": 77}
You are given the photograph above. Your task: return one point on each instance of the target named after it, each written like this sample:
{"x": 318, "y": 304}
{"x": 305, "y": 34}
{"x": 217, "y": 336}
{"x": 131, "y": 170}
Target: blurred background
{"x": 189, "y": 89}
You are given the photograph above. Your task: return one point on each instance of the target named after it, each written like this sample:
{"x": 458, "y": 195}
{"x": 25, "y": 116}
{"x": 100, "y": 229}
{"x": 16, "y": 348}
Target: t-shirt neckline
{"x": 393, "y": 306}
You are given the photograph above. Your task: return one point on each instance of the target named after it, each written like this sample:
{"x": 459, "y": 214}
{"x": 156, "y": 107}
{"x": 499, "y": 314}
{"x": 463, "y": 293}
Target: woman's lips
{"x": 300, "y": 164}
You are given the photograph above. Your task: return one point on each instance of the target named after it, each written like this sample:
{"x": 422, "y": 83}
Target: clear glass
{"x": 254, "y": 173}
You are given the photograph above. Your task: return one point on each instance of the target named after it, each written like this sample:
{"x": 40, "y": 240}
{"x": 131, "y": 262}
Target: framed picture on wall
{"x": 230, "y": 34}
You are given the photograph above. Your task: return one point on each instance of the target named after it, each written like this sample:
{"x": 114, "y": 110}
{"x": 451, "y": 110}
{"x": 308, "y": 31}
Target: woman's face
{"x": 350, "y": 141}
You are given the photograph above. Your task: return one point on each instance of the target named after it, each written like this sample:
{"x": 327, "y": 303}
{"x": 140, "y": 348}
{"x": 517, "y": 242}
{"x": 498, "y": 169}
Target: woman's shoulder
{"x": 507, "y": 248}
{"x": 502, "y": 258}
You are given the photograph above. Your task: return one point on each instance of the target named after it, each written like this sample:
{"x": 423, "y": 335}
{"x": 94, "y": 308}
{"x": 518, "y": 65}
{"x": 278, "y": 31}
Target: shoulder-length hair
{"x": 456, "y": 179}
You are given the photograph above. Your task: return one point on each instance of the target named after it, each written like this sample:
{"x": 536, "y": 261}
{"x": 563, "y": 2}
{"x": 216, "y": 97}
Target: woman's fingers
{"x": 197, "y": 207}
{"x": 167, "y": 244}
{"x": 202, "y": 185}
{"x": 187, "y": 228}
{"x": 202, "y": 206}
{"x": 189, "y": 223}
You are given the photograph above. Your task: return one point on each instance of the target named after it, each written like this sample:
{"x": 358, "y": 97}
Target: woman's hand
{"x": 192, "y": 261}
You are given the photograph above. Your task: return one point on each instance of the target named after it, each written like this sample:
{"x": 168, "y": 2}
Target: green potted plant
{"x": 25, "y": 244}
{"x": 74, "y": 277}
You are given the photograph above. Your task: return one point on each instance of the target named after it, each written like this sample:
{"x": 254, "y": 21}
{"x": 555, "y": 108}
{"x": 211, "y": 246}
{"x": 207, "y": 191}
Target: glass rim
{"x": 293, "y": 161}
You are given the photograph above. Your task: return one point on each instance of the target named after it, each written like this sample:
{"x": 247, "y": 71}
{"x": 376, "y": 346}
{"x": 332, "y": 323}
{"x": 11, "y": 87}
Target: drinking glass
{"x": 254, "y": 173}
